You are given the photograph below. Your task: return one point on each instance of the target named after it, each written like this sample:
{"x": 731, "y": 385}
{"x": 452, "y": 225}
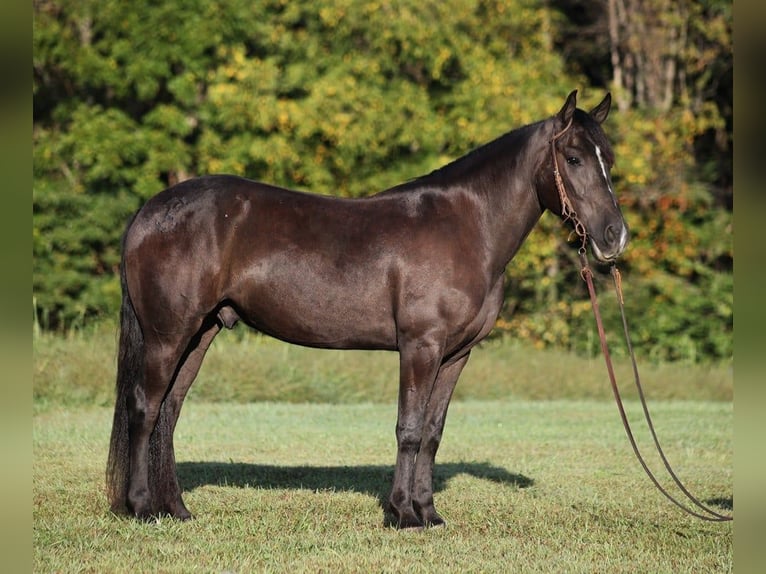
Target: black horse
{"x": 417, "y": 269}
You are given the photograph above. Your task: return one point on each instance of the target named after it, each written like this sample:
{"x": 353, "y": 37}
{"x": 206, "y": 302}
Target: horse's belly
{"x": 320, "y": 314}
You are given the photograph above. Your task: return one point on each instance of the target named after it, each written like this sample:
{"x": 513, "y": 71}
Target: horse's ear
{"x": 600, "y": 112}
{"x": 566, "y": 113}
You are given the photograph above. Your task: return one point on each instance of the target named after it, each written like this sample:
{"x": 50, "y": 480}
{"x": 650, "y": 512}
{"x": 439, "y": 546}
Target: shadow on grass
{"x": 727, "y": 503}
{"x": 373, "y": 480}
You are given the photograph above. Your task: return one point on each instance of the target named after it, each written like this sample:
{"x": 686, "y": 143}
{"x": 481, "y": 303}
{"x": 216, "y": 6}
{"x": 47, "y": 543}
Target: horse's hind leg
{"x": 168, "y": 492}
{"x": 151, "y": 419}
{"x": 144, "y": 405}
{"x": 435, "y": 416}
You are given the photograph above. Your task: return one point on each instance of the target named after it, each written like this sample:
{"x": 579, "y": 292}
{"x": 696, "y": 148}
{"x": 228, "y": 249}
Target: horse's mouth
{"x": 605, "y": 257}
{"x": 600, "y": 257}
{"x": 612, "y": 253}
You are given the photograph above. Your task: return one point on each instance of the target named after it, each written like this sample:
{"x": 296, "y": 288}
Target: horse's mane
{"x": 497, "y": 151}
{"x": 466, "y": 166}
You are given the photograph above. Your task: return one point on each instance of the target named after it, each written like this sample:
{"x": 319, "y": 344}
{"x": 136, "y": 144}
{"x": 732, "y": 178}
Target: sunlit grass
{"x": 526, "y": 486}
{"x": 286, "y": 457}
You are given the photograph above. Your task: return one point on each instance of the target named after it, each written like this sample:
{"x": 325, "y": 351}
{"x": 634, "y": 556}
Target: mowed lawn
{"x": 525, "y": 486}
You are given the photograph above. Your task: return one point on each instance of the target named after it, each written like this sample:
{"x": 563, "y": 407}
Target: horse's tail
{"x": 130, "y": 372}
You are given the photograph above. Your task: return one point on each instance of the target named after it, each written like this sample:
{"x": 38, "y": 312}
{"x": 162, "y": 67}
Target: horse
{"x": 418, "y": 269}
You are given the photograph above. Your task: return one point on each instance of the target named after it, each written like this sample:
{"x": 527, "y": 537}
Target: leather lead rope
{"x": 568, "y": 213}
{"x": 707, "y": 513}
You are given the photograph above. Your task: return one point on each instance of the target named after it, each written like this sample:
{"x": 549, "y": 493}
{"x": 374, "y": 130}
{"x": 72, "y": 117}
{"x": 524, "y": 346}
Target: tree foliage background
{"x": 349, "y": 97}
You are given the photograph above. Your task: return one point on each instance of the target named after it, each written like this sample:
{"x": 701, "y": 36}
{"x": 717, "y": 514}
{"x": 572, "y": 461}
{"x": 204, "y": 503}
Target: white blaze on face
{"x": 603, "y": 169}
{"x": 624, "y": 230}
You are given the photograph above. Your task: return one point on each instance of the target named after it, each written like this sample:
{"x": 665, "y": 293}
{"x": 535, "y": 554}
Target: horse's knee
{"x": 432, "y": 438}
{"x": 408, "y": 437}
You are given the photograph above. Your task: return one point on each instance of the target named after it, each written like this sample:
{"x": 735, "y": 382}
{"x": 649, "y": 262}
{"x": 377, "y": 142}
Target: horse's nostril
{"x": 610, "y": 235}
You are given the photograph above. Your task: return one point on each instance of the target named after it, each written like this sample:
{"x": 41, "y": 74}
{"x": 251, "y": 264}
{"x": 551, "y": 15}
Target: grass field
{"x": 280, "y": 484}
{"x": 525, "y": 487}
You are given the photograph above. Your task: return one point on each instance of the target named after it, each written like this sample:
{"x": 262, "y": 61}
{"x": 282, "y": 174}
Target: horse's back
{"x": 189, "y": 206}
{"x": 302, "y": 267}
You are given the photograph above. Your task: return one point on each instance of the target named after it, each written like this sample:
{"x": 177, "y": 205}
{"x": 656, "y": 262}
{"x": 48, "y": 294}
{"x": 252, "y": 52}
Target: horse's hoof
{"x": 436, "y": 522}
{"x": 409, "y": 523}
{"x": 178, "y": 511}
{"x": 145, "y": 517}
{"x": 429, "y": 516}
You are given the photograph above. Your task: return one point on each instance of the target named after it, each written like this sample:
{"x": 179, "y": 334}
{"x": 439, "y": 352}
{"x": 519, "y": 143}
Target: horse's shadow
{"x": 371, "y": 480}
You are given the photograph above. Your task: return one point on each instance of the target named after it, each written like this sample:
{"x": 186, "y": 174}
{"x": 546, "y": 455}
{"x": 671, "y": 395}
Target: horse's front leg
{"x": 435, "y": 416}
{"x": 419, "y": 363}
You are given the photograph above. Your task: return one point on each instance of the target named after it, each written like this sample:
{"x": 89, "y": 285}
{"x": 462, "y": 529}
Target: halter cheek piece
{"x": 567, "y": 210}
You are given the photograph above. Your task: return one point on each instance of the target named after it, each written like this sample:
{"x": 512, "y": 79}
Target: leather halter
{"x": 567, "y": 209}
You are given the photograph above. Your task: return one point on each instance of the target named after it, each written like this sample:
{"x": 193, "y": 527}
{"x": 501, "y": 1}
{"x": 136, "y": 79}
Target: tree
{"x": 670, "y": 67}
{"x": 662, "y": 56}
{"x": 348, "y": 98}
{"x": 335, "y": 96}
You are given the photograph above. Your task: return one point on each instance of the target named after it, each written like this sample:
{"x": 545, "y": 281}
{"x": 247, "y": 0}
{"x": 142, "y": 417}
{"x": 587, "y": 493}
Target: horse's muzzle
{"x": 612, "y": 244}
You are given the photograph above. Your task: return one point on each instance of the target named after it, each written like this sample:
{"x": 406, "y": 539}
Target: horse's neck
{"x": 511, "y": 205}
{"x": 509, "y": 224}
{"x": 500, "y": 177}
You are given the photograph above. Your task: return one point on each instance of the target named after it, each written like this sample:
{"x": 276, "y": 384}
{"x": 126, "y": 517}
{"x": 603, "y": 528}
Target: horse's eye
{"x": 573, "y": 160}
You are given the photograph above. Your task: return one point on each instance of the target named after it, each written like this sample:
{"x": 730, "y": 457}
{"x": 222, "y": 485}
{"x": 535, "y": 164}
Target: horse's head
{"x": 580, "y": 151}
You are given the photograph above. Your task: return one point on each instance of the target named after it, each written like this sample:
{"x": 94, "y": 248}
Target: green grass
{"x": 286, "y": 457}
{"x": 526, "y": 486}
{"x": 245, "y": 367}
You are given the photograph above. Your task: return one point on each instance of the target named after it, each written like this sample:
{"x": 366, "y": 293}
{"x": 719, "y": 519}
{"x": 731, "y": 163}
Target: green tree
{"x": 349, "y": 97}
{"x": 339, "y": 97}
{"x": 670, "y": 67}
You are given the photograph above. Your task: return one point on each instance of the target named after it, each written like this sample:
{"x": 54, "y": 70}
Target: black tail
{"x": 130, "y": 370}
